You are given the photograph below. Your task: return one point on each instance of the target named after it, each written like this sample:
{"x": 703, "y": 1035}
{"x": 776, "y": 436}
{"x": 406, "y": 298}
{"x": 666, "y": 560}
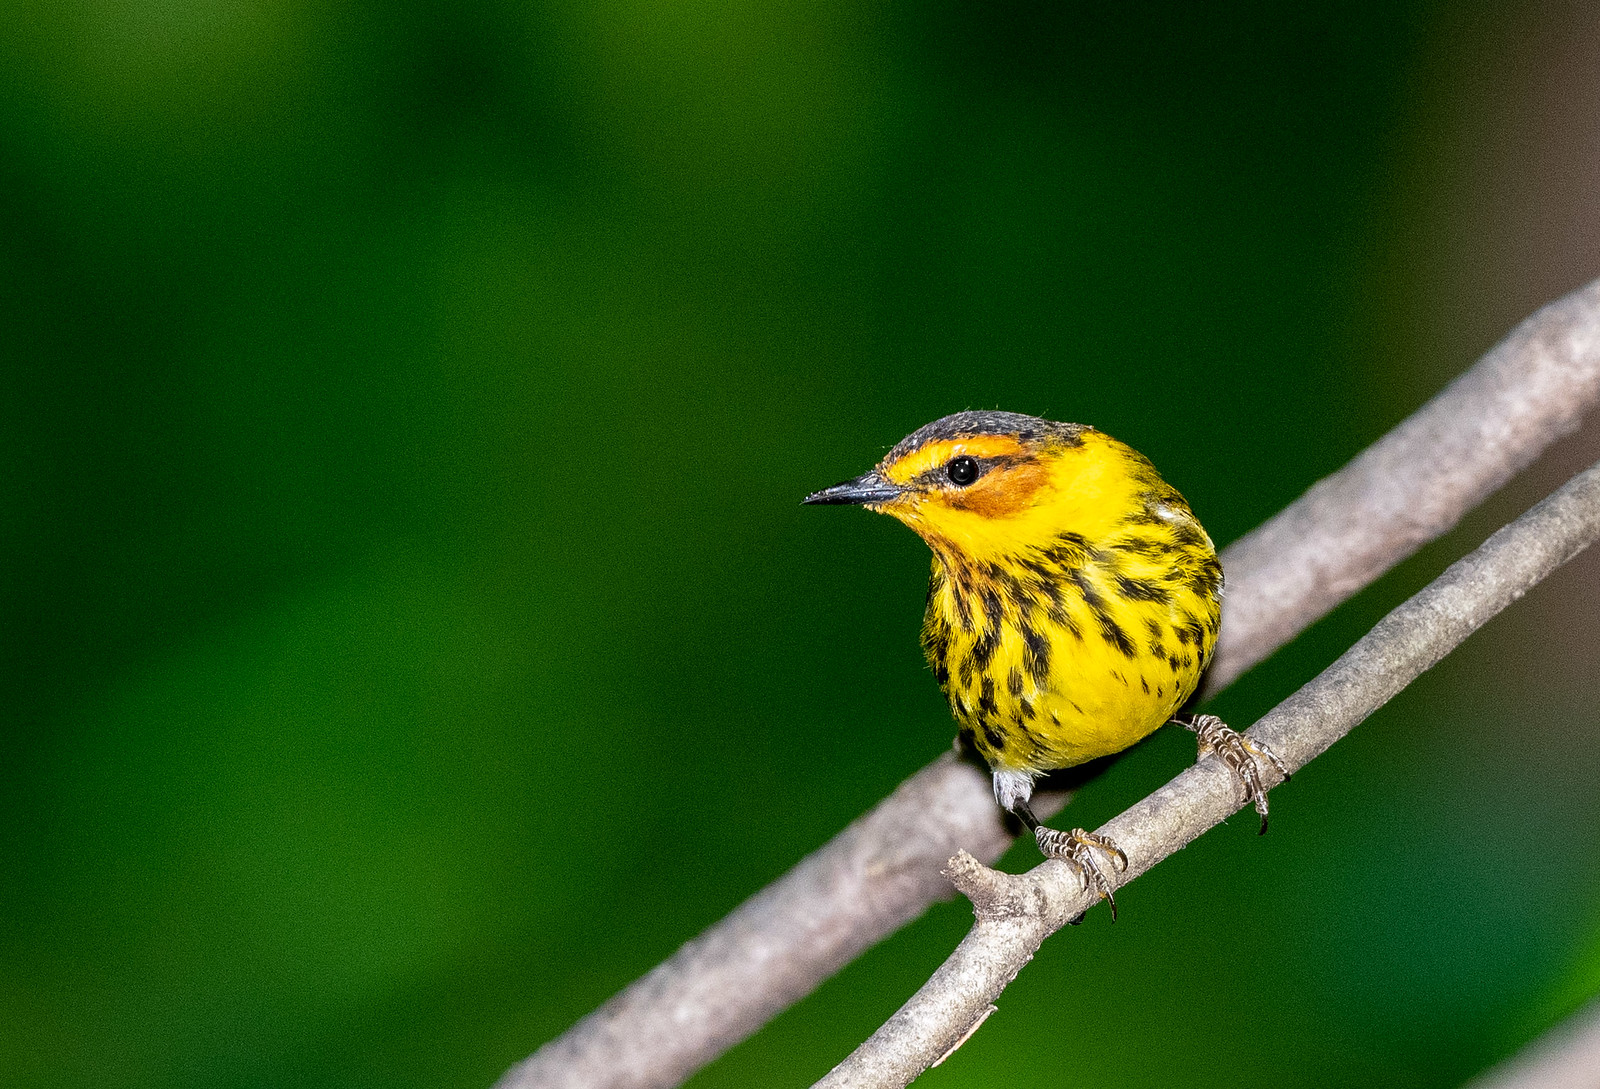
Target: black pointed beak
{"x": 866, "y": 488}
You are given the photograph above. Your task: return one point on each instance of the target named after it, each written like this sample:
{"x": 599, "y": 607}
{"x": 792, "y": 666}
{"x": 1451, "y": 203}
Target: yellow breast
{"x": 1083, "y": 624}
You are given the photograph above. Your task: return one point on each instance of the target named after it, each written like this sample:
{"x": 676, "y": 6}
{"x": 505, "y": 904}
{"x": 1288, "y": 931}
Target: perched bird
{"x": 1074, "y": 603}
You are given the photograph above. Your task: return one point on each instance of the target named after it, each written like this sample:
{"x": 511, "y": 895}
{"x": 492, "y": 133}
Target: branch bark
{"x": 1566, "y": 1057}
{"x": 1411, "y": 486}
{"x": 883, "y": 870}
{"x": 1016, "y": 913}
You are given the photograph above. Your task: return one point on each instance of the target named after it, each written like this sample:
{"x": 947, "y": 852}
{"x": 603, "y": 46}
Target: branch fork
{"x": 1016, "y": 914}
{"x": 881, "y": 872}
{"x": 1054, "y": 892}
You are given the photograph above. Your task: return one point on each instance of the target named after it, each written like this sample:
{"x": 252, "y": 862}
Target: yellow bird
{"x": 1074, "y": 603}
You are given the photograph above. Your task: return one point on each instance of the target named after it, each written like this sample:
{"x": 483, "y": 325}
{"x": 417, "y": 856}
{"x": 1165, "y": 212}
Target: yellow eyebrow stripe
{"x": 935, "y": 454}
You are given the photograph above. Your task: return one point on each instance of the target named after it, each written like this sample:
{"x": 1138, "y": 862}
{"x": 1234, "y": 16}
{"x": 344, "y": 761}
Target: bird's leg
{"x": 1077, "y": 848}
{"x": 1243, "y": 757}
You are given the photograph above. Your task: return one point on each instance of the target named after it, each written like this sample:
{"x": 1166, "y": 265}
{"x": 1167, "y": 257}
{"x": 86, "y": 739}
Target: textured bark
{"x": 1413, "y": 485}
{"x": 883, "y": 870}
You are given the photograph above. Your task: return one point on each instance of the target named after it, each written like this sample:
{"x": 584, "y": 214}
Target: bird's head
{"x": 983, "y": 484}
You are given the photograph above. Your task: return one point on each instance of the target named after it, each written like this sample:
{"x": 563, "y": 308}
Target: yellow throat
{"x": 1075, "y": 598}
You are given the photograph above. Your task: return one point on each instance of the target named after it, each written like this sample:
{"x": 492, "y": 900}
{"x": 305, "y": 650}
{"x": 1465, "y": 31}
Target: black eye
{"x": 962, "y": 471}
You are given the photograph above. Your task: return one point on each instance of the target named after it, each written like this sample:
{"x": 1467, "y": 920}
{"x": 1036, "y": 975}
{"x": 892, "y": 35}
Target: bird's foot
{"x": 1077, "y": 847}
{"x": 1243, "y": 757}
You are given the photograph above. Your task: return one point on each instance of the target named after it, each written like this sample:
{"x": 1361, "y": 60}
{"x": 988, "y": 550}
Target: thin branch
{"x": 1016, "y": 913}
{"x": 883, "y": 870}
{"x": 1411, "y": 486}
{"x": 1566, "y": 1057}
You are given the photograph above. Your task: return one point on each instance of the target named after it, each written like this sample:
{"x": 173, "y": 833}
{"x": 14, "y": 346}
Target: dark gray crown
{"x": 962, "y": 425}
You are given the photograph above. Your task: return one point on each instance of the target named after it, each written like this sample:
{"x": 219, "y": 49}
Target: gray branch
{"x": 1411, "y": 486}
{"x": 883, "y": 870}
{"x": 1566, "y": 1057}
{"x": 1016, "y": 913}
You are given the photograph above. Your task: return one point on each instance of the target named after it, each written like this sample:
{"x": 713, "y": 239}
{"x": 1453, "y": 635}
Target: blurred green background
{"x": 410, "y": 630}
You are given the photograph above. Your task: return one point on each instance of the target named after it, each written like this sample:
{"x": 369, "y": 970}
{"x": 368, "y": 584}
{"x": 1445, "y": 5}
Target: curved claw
{"x": 1077, "y": 847}
{"x": 1243, "y": 757}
